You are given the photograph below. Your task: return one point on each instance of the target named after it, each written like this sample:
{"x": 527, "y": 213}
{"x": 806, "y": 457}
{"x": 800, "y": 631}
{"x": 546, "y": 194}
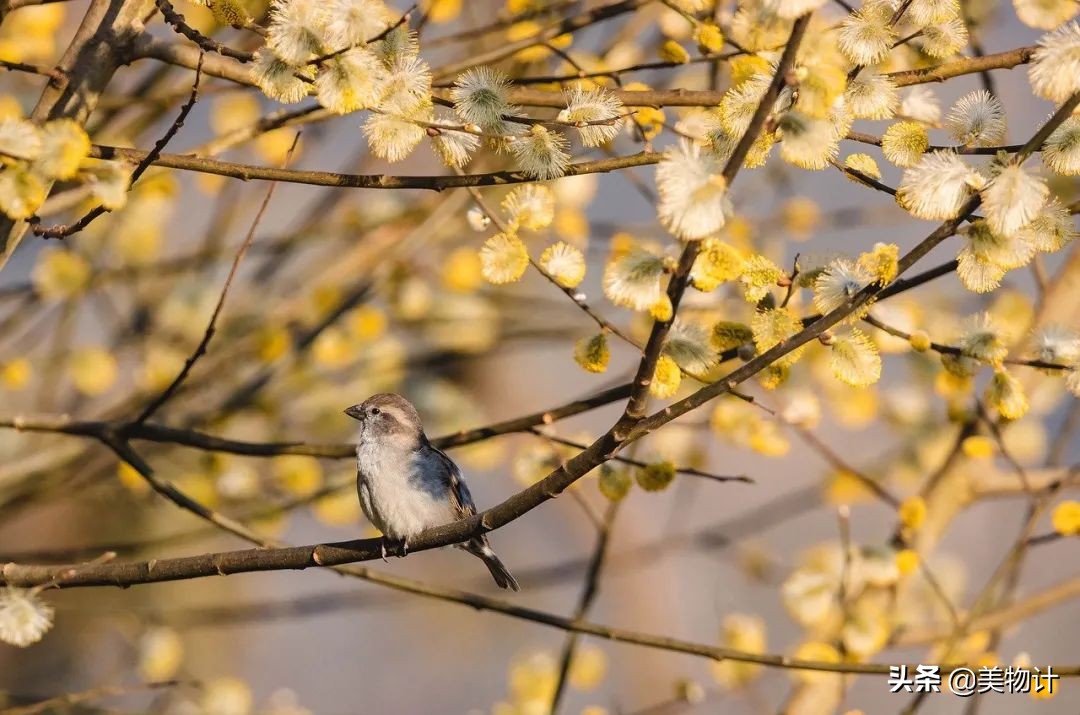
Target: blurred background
{"x": 350, "y": 292}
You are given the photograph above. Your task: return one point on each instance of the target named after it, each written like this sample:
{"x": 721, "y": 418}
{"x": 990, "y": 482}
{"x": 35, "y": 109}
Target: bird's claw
{"x": 398, "y": 548}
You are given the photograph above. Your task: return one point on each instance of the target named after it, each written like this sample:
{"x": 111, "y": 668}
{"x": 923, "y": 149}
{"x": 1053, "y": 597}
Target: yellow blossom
{"x": 210, "y": 184}
{"x": 771, "y": 327}
{"x": 572, "y": 225}
{"x": 503, "y": 258}
{"x": 60, "y": 274}
{"x": 530, "y": 29}
{"x": 649, "y": 119}
{"x": 656, "y": 476}
{"x": 10, "y": 107}
{"x": 92, "y": 370}
{"x": 227, "y": 696}
{"x": 882, "y": 262}
{"x": 1044, "y": 686}
{"x": 709, "y": 38}
{"x": 801, "y": 216}
{"x": 161, "y": 651}
{"x": 534, "y": 462}
{"x": 820, "y": 88}
{"x": 1006, "y": 394}
{"x": 728, "y": 335}
{"x": 666, "y": 379}
{"x": 744, "y": 633}
{"x": 338, "y": 509}
{"x": 614, "y": 483}
{"x": 844, "y": 487}
{"x": 131, "y": 479}
{"x": 758, "y": 276}
{"x": 912, "y": 512}
{"x": 273, "y": 146}
{"x": 866, "y": 630}
{"x": 230, "y": 13}
{"x": 978, "y": 446}
{"x": 297, "y": 474}
{"x": 15, "y": 374}
{"x": 530, "y": 206}
{"x": 533, "y": 679}
{"x": 904, "y": 143}
{"x": 200, "y": 487}
{"x": 587, "y": 668}
{"x": 766, "y": 439}
{"x": 519, "y": 7}
{"x": 744, "y": 67}
{"x": 461, "y": 271}
{"x": 920, "y": 341}
{"x": 854, "y": 359}
{"x": 948, "y": 384}
{"x": 1066, "y": 518}
{"x": 864, "y": 164}
{"x": 439, "y": 11}
{"x": 593, "y": 353}
{"x": 818, "y": 652}
{"x": 273, "y": 342}
{"x": 564, "y": 263}
{"x": 662, "y": 309}
{"x": 139, "y": 239}
{"x": 773, "y": 376}
{"x": 367, "y": 323}
{"x": 716, "y": 263}
{"x": 672, "y": 51}
{"x": 907, "y": 560}
{"x": 333, "y": 349}
{"x": 325, "y": 299}
{"x": 64, "y": 146}
{"x": 161, "y": 365}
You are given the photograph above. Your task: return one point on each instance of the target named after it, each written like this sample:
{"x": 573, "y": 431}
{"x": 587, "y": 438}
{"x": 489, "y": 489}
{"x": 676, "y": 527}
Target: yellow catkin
{"x": 913, "y": 512}
{"x": 906, "y": 561}
{"x": 672, "y": 51}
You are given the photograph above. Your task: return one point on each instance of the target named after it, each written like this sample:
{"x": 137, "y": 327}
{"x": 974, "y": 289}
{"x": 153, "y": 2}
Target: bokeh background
{"x": 681, "y": 561}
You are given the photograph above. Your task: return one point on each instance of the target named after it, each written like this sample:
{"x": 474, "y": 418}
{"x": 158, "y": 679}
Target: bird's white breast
{"x": 395, "y": 501}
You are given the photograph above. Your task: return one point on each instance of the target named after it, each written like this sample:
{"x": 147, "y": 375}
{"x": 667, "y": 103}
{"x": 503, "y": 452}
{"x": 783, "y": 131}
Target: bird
{"x": 406, "y": 484}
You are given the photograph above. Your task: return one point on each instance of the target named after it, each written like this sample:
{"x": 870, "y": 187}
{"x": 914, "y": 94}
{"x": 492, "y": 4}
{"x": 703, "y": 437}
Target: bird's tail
{"x": 482, "y": 549}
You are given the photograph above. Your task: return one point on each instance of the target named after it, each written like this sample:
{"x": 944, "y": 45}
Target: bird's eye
{"x": 375, "y": 410}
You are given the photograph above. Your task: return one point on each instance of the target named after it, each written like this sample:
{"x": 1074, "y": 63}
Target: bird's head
{"x": 389, "y": 419}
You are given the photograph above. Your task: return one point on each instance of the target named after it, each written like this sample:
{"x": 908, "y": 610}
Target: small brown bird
{"x": 406, "y": 484}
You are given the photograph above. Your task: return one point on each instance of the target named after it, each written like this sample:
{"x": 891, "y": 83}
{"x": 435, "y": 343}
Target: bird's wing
{"x": 459, "y": 491}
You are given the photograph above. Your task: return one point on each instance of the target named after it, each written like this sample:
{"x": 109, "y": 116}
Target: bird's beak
{"x": 355, "y": 412}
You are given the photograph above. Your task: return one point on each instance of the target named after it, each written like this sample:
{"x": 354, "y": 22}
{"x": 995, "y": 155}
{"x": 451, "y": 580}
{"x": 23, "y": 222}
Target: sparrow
{"x": 406, "y": 484}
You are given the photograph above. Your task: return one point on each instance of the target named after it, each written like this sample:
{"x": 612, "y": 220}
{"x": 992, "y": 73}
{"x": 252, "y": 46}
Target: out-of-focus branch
{"x": 565, "y": 26}
{"x": 1008, "y": 616}
{"x": 953, "y": 350}
{"x": 247, "y": 172}
{"x": 69, "y": 700}
{"x": 199, "y": 440}
{"x": 588, "y": 594}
